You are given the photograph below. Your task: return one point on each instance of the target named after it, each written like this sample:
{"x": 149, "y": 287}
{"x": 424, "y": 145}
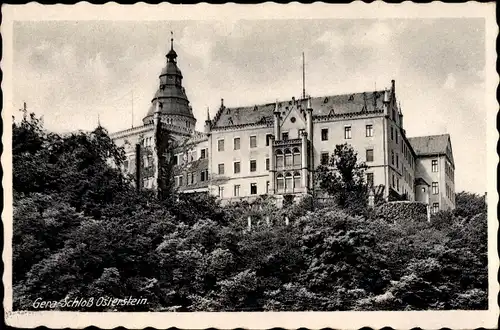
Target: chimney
{"x": 277, "y": 123}
{"x": 208, "y": 122}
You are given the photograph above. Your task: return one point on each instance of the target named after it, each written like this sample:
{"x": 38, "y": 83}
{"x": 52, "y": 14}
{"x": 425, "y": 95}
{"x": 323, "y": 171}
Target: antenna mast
{"x": 132, "y": 108}
{"x": 303, "y": 76}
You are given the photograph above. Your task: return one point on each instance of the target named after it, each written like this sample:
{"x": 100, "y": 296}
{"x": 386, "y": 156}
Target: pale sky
{"x": 72, "y": 71}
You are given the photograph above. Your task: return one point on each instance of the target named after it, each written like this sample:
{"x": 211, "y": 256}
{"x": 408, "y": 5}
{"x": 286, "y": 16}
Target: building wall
{"x": 244, "y": 155}
{"x": 424, "y": 170}
{"x": 359, "y": 141}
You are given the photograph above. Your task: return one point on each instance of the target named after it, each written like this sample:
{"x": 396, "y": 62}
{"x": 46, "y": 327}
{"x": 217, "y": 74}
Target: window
{"x": 177, "y": 181}
{"x": 296, "y": 157}
{"x": 369, "y": 155}
{"x": 393, "y": 181}
{"x": 268, "y": 139}
{"x": 397, "y": 183}
{"x": 284, "y": 136}
{"x": 392, "y": 133}
{"x": 435, "y": 207}
{"x": 267, "y": 164}
{"x": 296, "y": 180}
{"x": 253, "y": 189}
{"x": 236, "y": 144}
{"x": 369, "y": 130}
{"x": 324, "y": 158}
{"x": 434, "y": 165}
{"x": 221, "y": 168}
{"x": 176, "y": 160}
{"x": 435, "y": 188}
{"x": 253, "y": 141}
{"x": 236, "y": 190}
{"x": 220, "y": 145}
{"x": 202, "y": 176}
{"x": 279, "y": 159}
{"x": 324, "y": 134}
{"x": 125, "y": 165}
{"x": 397, "y": 160}
{"x": 288, "y": 182}
{"x": 180, "y": 180}
{"x": 203, "y": 154}
{"x": 221, "y": 192}
{"x": 236, "y": 167}
{"x": 347, "y": 132}
{"x": 288, "y": 157}
{"x": 392, "y": 157}
{"x": 253, "y": 165}
{"x": 280, "y": 183}
{"x": 267, "y": 187}
{"x": 369, "y": 179}
{"x": 397, "y": 136}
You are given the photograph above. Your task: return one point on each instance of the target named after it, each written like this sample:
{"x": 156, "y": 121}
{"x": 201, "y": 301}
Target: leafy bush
{"x": 73, "y": 238}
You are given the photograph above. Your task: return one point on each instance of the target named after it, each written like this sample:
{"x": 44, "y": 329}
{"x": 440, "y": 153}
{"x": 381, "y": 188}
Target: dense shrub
{"x": 401, "y": 211}
{"x": 191, "y": 254}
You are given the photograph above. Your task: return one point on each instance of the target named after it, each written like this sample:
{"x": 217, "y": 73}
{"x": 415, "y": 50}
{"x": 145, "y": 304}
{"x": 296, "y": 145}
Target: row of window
{"x": 407, "y": 155}
{"x": 347, "y": 132}
{"x": 237, "y": 142}
{"x": 237, "y": 188}
{"x": 450, "y": 193}
{"x": 288, "y": 182}
{"x": 192, "y": 178}
{"x": 450, "y": 172}
{"x": 190, "y": 156}
{"x": 288, "y": 157}
{"x": 148, "y": 141}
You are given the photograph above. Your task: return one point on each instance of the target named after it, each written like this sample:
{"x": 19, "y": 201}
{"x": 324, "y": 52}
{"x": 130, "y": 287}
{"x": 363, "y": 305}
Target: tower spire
{"x": 208, "y": 114}
{"x": 98, "y": 121}
{"x": 171, "y": 40}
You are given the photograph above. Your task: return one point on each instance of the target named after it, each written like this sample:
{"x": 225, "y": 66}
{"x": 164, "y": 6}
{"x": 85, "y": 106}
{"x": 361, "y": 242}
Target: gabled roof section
{"x": 432, "y": 145}
{"x": 323, "y": 106}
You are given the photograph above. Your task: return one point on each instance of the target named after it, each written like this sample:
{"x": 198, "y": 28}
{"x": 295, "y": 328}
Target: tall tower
{"x": 170, "y": 98}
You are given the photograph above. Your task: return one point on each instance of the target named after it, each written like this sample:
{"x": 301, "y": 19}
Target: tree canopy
{"x": 81, "y": 230}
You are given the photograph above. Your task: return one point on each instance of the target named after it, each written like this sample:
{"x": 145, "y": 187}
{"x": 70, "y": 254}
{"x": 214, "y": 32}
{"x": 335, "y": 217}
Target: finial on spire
{"x": 171, "y": 40}
{"x": 98, "y": 121}
{"x": 208, "y": 114}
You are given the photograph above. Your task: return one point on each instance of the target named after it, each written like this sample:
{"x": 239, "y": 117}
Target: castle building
{"x": 274, "y": 148}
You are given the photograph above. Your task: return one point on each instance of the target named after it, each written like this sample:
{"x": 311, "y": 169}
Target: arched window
{"x": 280, "y": 183}
{"x": 296, "y": 157}
{"x": 288, "y": 182}
{"x": 288, "y": 157}
{"x": 296, "y": 180}
{"x": 279, "y": 159}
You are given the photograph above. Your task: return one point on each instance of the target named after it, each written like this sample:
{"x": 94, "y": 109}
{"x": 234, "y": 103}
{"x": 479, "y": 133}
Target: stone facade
{"x": 275, "y": 148}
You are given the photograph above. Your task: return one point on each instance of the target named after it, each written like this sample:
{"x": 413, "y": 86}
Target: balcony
{"x": 287, "y": 143}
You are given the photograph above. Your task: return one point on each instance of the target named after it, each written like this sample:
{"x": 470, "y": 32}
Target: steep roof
{"x": 432, "y": 145}
{"x": 322, "y": 106}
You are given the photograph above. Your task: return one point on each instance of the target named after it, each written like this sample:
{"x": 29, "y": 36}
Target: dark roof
{"x": 421, "y": 181}
{"x": 432, "y": 145}
{"x": 429, "y": 145}
{"x": 322, "y": 106}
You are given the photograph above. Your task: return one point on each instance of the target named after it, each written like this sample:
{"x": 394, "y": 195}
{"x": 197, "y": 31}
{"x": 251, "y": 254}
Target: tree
{"x": 469, "y": 204}
{"x": 343, "y": 179}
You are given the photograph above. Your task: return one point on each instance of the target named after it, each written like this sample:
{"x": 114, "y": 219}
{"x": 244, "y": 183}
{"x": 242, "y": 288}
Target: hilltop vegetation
{"x": 81, "y": 230}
